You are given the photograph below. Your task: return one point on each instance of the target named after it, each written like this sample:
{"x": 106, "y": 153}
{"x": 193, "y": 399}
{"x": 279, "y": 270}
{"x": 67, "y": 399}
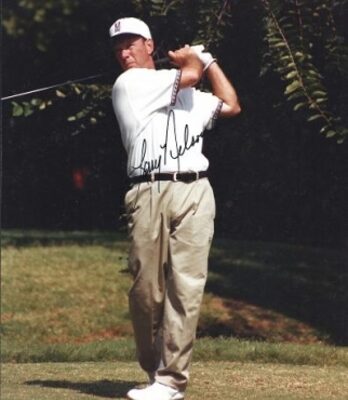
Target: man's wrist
{"x": 206, "y": 58}
{"x": 212, "y": 61}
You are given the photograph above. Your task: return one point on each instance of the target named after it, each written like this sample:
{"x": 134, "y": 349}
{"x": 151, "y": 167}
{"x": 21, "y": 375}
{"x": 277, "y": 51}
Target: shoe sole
{"x": 178, "y": 396}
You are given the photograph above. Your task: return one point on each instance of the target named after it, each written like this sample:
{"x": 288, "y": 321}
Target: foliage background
{"x": 279, "y": 169}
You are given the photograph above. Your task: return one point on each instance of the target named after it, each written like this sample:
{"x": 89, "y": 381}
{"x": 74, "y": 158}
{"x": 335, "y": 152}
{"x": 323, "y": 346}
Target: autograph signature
{"x": 147, "y": 166}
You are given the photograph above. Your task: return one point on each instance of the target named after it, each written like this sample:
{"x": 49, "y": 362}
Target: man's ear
{"x": 150, "y": 46}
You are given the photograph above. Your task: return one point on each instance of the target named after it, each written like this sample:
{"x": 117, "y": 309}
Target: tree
{"x": 284, "y": 173}
{"x": 305, "y": 48}
{"x": 304, "y": 45}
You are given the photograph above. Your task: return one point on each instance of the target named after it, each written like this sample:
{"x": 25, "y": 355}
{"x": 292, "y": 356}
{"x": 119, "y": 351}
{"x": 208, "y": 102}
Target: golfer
{"x": 170, "y": 204}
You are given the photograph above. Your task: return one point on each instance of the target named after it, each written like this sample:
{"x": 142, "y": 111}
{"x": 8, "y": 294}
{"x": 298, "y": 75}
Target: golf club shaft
{"x": 69, "y": 82}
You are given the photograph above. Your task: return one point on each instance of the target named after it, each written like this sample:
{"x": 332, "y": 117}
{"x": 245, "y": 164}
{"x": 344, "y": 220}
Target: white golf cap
{"x": 130, "y": 25}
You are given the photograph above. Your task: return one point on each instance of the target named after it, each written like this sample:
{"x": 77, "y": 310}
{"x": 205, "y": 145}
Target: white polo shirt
{"x": 162, "y": 126}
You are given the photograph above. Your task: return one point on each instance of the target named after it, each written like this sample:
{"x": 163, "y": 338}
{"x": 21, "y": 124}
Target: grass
{"x": 298, "y": 293}
{"x": 272, "y": 318}
{"x": 206, "y": 349}
{"x": 64, "y": 292}
{"x": 64, "y": 298}
{"x": 209, "y": 381}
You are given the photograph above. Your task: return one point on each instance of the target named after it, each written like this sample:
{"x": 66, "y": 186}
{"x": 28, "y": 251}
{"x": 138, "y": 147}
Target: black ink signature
{"x": 180, "y": 150}
{"x": 155, "y": 164}
{"x": 148, "y": 166}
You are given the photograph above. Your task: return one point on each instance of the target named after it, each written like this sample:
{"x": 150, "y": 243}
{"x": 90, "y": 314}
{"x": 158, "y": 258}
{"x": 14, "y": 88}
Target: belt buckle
{"x": 175, "y": 179}
{"x": 152, "y": 174}
{"x": 197, "y": 175}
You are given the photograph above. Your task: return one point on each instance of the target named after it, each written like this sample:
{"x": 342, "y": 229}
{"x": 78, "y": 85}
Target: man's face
{"x": 133, "y": 51}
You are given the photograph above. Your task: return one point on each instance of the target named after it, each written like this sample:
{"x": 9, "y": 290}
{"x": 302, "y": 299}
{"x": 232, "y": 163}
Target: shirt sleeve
{"x": 149, "y": 90}
{"x": 208, "y": 106}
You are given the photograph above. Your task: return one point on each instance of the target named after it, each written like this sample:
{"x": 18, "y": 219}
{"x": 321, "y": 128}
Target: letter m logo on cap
{"x": 117, "y": 26}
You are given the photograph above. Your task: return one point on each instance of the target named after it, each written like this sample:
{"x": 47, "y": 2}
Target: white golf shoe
{"x": 156, "y": 391}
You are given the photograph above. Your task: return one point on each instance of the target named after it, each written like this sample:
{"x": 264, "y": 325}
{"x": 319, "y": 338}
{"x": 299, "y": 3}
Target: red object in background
{"x": 79, "y": 176}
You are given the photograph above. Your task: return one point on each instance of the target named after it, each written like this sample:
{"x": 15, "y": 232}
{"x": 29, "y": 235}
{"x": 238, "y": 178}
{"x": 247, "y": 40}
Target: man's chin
{"x": 130, "y": 65}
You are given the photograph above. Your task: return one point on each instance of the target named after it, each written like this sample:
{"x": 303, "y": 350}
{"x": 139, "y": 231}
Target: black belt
{"x": 170, "y": 176}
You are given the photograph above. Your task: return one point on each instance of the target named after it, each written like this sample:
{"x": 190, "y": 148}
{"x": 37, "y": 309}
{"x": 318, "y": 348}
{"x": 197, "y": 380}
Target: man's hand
{"x": 182, "y": 57}
{"x": 189, "y": 63}
{"x": 222, "y": 87}
{"x": 206, "y": 58}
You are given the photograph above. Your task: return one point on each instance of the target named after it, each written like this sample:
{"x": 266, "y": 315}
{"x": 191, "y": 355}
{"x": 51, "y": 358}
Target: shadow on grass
{"x": 303, "y": 283}
{"x": 103, "y": 388}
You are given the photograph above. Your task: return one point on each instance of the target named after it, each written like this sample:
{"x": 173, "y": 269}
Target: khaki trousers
{"x": 171, "y": 225}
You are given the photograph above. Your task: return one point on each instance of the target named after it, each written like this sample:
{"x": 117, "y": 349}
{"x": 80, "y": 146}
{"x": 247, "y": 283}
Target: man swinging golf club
{"x": 170, "y": 205}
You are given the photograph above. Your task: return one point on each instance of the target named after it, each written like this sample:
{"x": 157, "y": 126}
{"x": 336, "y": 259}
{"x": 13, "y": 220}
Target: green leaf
{"x": 314, "y": 117}
{"x": 27, "y": 109}
{"x": 299, "y": 105}
{"x": 292, "y": 87}
{"x": 296, "y": 95}
{"x": 72, "y": 118}
{"x": 291, "y": 75}
{"x": 77, "y": 90}
{"x": 60, "y": 94}
{"x": 319, "y": 93}
{"x": 36, "y": 102}
{"x": 17, "y": 109}
{"x": 330, "y": 133}
{"x": 274, "y": 40}
{"x": 314, "y": 73}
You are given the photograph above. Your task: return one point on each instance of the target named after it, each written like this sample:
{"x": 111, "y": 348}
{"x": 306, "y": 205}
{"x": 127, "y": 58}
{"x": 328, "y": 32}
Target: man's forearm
{"x": 224, "y": 90}
{"x": 191, "y": 67}
{"x": 191, "y": 73}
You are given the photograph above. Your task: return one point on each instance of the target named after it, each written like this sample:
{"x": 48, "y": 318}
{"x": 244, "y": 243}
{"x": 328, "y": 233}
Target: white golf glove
{"x": 206, "y": 58}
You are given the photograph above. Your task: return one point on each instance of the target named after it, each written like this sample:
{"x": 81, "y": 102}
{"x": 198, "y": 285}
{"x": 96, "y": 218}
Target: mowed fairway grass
{"x": 210, "y": 380}
{"x": 272, "y": 324}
